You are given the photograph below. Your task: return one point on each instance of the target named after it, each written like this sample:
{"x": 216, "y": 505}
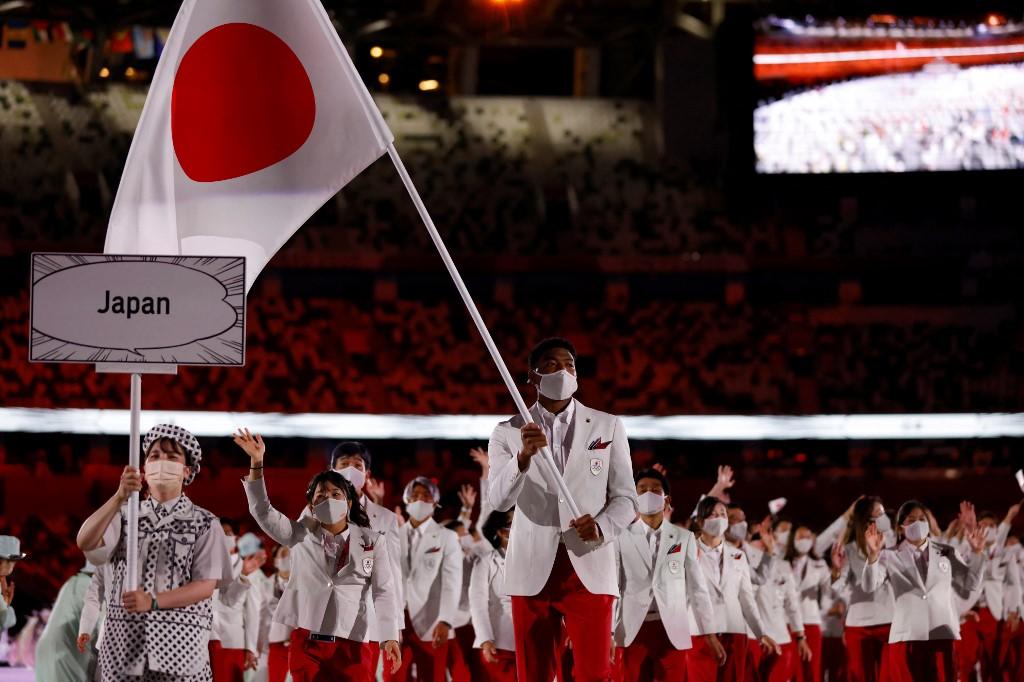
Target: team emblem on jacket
{"x": 368, "y": 564}
{"x": 596, "y": 465}
{"x": 673, "y": 566}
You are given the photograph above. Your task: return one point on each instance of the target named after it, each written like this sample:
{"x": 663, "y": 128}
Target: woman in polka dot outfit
{"x": 160, "y": 632}
{"x": 336, "y": 560}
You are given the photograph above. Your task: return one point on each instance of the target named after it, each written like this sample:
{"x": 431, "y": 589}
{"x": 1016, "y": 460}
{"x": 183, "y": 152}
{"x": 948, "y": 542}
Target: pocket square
{"x": 675, "y": 549}
{"x": 598, "y": 444}
{"x": 435, "y": 549}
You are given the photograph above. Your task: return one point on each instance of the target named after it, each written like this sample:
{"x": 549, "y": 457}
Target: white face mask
{"x": 651, "y": 503}
{"x": 164, "y": 474}
{"x": 230, "y": 542}
{"x": 715, "y": 527}
{"x": 283, "y": 564}
{"x": 916, "y": 531}
{"x": 467, "y": 542}
{"x": 990, "y": 535}
{"x": 419, "y": 510}
{"x": 331, "y": 511}
{"x": 559, "y": 385}
{"x": 781, "y": 537}
{"x": 355, "y": 476}
{"x": 803, "y": 545}
{"x": 738, "y": 531}
{"x": 883, "y": 524}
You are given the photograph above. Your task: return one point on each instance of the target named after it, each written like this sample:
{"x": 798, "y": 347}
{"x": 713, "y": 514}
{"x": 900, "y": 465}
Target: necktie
{"x": 342, "y": 557}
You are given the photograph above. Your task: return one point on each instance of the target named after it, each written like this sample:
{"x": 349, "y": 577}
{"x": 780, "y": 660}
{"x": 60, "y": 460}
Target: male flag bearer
{"x": 557, "y": 566}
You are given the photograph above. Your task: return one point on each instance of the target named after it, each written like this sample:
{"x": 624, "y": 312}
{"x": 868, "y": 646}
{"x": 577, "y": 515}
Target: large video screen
{"x": 888, "y": 94}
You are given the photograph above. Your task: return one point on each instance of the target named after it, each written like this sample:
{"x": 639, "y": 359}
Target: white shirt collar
{"x": 565, "y": 416}
{"x": 169, "y": 504}
{"x": 711, "y": 550}
{"x": 922, "y": 549}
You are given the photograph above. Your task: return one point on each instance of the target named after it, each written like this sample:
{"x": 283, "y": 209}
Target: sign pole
{"x": 135, "y": 445}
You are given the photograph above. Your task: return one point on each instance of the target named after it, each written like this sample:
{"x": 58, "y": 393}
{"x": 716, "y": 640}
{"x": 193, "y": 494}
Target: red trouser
{"x": 779, "y": 668}
{"x": 342, "y": 659}
{"x": 461, "y": 658}
{"x": 1014, "y": 663}
{"x": 228, "y": 665}
{"x": 926, "y": 660}
{"x": 867, "y": 653}
{"x": 430, "y": 662}
{"x": 504, "y": 670}
{"x": 966, "y": 650}
{"x": 833, "y": 659}
{"x": 652, "y": 657}
{"x": 990, "y": 633}
{"x": 537, "y": 622}
{"x": 702, "y": 666}
{"x": 810, "y": 671}
{"x": 277, "y": 662}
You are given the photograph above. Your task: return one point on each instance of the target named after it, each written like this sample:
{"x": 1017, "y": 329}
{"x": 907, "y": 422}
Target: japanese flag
{"x": 255, "y": 118}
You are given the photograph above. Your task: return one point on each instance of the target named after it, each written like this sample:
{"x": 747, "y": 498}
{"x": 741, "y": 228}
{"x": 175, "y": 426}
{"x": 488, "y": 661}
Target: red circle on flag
{"x": 241, "y": 102}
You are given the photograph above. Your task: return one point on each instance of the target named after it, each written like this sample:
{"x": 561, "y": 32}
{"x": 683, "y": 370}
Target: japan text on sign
{"x": 96, "y": 308}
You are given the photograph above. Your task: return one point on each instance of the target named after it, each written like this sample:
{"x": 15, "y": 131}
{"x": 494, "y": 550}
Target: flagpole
{"x": 481, "y": 326}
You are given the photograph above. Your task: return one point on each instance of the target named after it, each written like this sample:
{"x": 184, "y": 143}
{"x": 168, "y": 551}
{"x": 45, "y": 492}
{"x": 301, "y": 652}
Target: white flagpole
{"x": 480, "y": 325}
{"x": 132, "y": 577}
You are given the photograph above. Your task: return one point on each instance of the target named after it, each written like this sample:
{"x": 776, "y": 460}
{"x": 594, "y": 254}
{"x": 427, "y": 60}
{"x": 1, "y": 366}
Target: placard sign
{"x": 99, "y": 308}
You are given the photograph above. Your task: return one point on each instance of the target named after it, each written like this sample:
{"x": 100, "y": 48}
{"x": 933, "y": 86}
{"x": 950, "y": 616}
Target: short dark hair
{"x": 546, "y": 345}
{"x": 348, "y": 448}
{"x": 495, "y": 522}
{"x": 356, "y": 514}
{"x": 706, "y": 506}
{"x": 988, "y": 515}
{"x": 655, "y": 474}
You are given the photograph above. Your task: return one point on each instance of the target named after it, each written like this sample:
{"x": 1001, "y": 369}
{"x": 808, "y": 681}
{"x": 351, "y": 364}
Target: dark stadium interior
{"x": 614, "y": 204}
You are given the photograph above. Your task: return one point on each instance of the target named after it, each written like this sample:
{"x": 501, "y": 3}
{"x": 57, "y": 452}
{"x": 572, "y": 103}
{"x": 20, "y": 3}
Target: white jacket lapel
{"x": 577, "y": 464}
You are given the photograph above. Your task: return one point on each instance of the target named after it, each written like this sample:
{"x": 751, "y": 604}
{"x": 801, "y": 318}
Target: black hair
{"x": 356, "y": 514}
{"x": 704, "y": 509}
{"x": 860, "y": 519}
{"x": 789, "y": 553}
{"x": 987, "y": 515}
{"x": 655, "y": 474}
{"x": 452, "y": 524}
{"x": 351, "y": 447}
{"x": 546, "y": 345}
{"x": 495, "y": 522}
{"x": 230, "y": 523}
{"x": 904, "y": 511}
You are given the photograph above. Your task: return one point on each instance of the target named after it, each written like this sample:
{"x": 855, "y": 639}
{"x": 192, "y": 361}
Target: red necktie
{"x": 342, "y": 557}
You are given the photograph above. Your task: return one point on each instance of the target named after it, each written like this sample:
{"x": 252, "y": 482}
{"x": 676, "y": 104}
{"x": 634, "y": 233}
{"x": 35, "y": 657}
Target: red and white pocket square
{"x": 435, "y": 549}
{"x": 675, "y": 549}
{"x": 598, "y": 444}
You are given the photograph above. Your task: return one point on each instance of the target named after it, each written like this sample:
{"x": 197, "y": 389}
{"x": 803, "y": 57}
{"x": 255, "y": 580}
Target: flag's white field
{"x": 255, "y": 118}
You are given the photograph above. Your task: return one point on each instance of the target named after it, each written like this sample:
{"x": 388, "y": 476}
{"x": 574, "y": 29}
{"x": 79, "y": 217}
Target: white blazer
{"x": 779, "y": 603}
{"x": 598, "y": 473}
{"x": 674, "y": 580}
{"x": 385, "y": 522}
{"x": 813, "y": 581}
{"x": 237, "y": 626}
{"x": 926, "y": 608}
{"x": 490, "y": 607}
{"x": 318, "y": 599}
{"x": 864, "y": 607}
{"x": 732, "y": 598}
{"x": 433, "y": 577}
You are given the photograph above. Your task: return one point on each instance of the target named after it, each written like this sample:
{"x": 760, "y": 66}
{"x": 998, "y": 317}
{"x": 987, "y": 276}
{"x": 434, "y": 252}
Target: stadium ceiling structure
{"x": 506, "y": 22}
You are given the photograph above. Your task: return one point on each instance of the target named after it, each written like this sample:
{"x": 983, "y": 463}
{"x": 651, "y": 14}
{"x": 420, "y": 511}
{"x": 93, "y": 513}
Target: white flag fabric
{"x": 255, "y": 118}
